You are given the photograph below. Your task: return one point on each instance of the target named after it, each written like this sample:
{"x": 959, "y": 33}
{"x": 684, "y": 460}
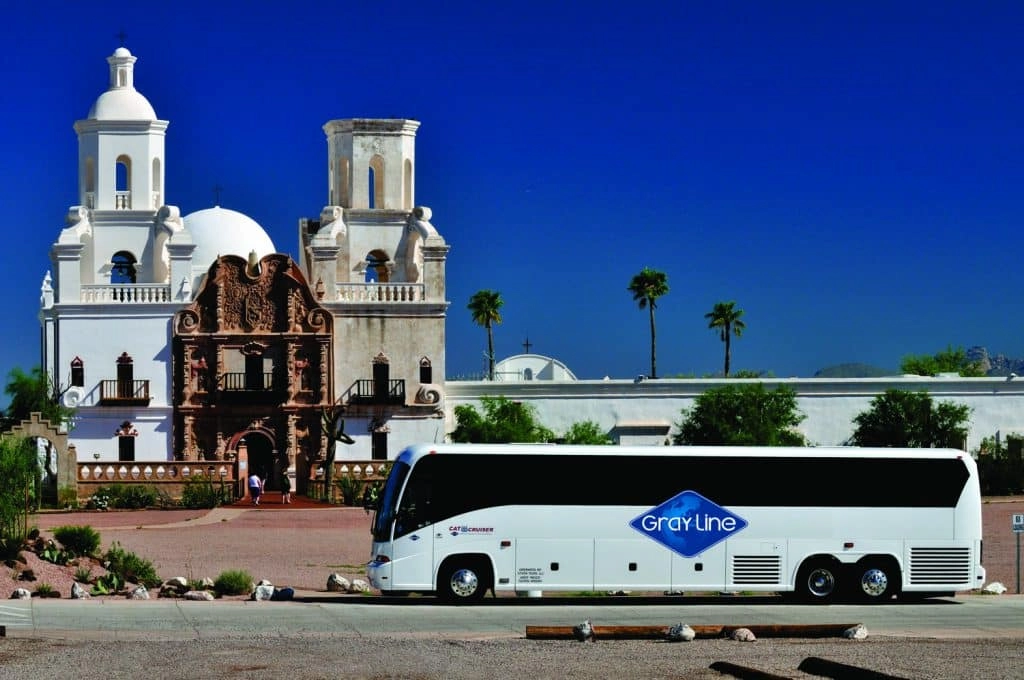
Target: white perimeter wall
{"x": 997, "y": 404}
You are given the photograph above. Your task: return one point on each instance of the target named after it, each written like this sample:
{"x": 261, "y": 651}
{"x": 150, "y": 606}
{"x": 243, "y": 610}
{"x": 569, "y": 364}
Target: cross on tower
{"x": 216, "y": 194}
{"x": 121, "y": 36}
{"x": 527, "y": 345}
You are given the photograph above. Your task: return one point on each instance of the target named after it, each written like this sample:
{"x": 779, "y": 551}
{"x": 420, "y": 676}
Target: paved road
{"x": 962, "y": 617}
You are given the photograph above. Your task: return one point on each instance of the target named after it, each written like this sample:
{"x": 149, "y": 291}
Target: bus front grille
{"x": 940, "y": 565}
{"x": 756, "y": 569}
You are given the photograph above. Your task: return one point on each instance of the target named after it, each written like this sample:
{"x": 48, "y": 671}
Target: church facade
{"x": 183, "y": 337}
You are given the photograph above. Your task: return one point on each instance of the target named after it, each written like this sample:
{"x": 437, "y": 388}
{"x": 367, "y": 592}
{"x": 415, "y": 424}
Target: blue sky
{"x": 849, "y": 173}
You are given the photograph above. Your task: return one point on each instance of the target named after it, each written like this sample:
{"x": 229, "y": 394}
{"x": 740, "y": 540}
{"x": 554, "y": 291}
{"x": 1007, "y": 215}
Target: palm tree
{"x": 485, "y": 306}
{"x": 647, "y": 287}
{"x": 726, "y": 318}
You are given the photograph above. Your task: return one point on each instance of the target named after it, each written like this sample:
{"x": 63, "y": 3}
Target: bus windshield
{"x": 381, "y": 529}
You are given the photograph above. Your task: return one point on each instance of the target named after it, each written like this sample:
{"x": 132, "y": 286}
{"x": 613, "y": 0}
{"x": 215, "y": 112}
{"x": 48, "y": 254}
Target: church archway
{"x": 65, "y": 467}
{"x": 262, "y": 456}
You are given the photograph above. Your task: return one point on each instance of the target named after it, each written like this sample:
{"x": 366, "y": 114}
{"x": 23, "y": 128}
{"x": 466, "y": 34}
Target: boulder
{"x": 198, "y": 595}
{"x": 79, "y": 593}
{"x": 263, "y": 592}
{"x": 282, "y": 594}
{"x": 994, "y": 588}
{"x": 139, "y": 593}
{"x": 680, "y": 632}
{"x": 358, "y": 585}
{"x": 21, "y": 594}
{"x": 858, "y": 632}
{"x": 583, "y": 631}
{"x": 743, "y": 635}
{"x": 336, "y": 583}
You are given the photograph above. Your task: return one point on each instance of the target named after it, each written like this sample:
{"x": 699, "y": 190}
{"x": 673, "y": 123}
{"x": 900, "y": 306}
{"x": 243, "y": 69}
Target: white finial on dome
{"x": 122, "y": 101}
{"x": 122, "y": 69}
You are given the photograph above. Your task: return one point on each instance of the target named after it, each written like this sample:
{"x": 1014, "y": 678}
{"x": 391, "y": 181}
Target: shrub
{"x": 10, "y": 548}
{"x": 83, "y": 575}
{"x": 80, "y": 540}
{"x": 233, "y": 582}
{"x": 129, "y": 567}
{"x": 107, "y": 584}
{"x": 98, "y": 501}
{"x": 200, "y": 491}
{"x": 351, "y": 489}
{"x": 55, "y": 554}
{"x": 67, "y": 497}
{"x": 44, "y": 590}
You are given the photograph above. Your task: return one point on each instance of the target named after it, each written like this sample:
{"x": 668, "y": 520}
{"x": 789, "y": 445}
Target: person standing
{"x": 255, "y": 488}
{"x": 286, "y": 488}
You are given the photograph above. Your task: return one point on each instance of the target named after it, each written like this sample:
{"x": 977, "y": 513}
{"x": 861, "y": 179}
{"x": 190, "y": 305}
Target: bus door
{"x": 413, "y": 545}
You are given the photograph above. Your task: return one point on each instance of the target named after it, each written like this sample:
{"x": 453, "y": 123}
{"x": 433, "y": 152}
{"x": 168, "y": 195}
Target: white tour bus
{"x": 462, "y": 519}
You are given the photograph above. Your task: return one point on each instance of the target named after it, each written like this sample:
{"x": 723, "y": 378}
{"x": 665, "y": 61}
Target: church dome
{"x": 218, "y": 231}
{"x": 122, "y": 104}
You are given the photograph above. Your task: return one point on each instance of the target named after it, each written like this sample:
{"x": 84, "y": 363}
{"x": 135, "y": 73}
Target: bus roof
{"x": 416, "y": 451}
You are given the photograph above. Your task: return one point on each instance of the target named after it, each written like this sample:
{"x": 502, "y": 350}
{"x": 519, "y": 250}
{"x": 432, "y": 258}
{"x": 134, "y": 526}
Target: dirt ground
{"x": 300, "y": 545}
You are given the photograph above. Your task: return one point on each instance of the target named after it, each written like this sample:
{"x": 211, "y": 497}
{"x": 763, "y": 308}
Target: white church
{"x": 189, "y": 338}
{"x": 183, "y": 337}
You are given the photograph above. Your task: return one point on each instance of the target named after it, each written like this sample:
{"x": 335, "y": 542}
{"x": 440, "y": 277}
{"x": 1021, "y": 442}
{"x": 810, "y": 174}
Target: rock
{"x": 27, "y": 575}
{"x": 79, "y": 593}
{"x": 282, "y": 594}
{"x": 263, "y": 592}
{"x": 358, "y": 585}
{"x": 179, "y": 583}
{"x": 583, "y": 631}
{"x": 336, "y": 583}
{"x": 140, "y": 593}
{"x": 206, "y": 583}
{"x": 265, "y": 582}
{"x": 680, "y": 633}
{"x": 743, "y": 635}
{"x": 995, "y": 588}
{"x": 199, "y": 595}
{"x": 21, "y": 594}
{"x": 858, "y": 632}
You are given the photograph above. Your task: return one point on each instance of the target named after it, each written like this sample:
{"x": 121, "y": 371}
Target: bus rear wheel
{"x": 876, "y": 580}
{"x": 818, "y": 581}
{"x": 462, "y": 581}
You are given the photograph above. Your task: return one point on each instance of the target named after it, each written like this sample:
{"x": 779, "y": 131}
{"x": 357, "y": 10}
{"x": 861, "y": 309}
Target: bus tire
{"x": 818, "y": 580}
{"x": 876, "y": 579}
{"x": 463, "y": 579}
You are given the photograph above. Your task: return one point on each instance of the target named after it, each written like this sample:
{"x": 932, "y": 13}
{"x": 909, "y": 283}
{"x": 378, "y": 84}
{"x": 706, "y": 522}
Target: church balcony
{"x": 364, "y": 393}
{"x": 124, "y": 393}
{"x": 380, "y": 292}
{"x": 250, "y": 388}
{"x": 123, "y": 200}
{"x": 127, "y": 293}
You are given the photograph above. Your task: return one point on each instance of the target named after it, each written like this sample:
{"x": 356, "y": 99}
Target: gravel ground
{"x": 299, "y": 658}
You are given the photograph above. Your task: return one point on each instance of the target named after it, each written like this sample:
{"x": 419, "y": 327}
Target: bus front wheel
{"x": 818, "y": 581}
{"x": 462, "y": 581}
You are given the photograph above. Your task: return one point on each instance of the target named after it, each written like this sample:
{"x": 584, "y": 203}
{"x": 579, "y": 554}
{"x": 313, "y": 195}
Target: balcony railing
{"x": 124, "y": 392}
{"x": 123, "y": 200}
{"x": 127, "y": 293}
{"x": 380, "y": 292}
{"x": 362, "y": 392}
{"x": 243, "y": 382}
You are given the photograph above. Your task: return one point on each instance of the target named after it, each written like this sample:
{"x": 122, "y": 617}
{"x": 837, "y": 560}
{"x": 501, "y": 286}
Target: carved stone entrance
{"x": 67, "y": 463}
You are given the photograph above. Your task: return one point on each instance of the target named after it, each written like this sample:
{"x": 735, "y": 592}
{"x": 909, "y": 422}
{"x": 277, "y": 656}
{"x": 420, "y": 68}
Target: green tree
{"x": 17, "y": 488}
{"x": 899, "y": 418}
{"x": 738, "y": 415}
{"x": 647, "y": 287}
{"x": 33, "y": 392}
{"x": 503, "y": 422}
{"x": 586, "y": 432}
{"x": 726, "y": 319}
{"x": 949, "y": 360}
{"x": 485, "y": 307}
{"x": 1001, "y": 466}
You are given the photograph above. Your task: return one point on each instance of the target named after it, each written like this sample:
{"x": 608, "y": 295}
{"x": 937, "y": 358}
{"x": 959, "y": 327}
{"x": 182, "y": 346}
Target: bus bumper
{"x": 378, "y": 573}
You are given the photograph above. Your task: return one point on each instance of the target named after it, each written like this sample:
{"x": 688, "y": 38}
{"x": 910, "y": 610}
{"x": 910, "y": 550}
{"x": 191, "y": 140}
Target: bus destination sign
{"x": 688, "y": 523}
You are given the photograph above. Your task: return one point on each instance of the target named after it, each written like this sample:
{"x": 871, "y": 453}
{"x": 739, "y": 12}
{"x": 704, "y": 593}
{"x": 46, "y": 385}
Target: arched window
{"x": 376, "y": 179}
{"x": 157, "y": 198}
{"x": 342, "y": 180}
{"x": 377, "y": 267}
{"x": 77, "y": 372}
{"x": 122, "y": 268}
{"x": 407, "y": 186}
{"x": 123, "y": 183}
{"x": 426, "y": 371}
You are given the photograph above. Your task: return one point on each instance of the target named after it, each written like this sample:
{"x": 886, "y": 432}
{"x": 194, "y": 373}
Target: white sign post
{"x": 1017, "y": 522}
